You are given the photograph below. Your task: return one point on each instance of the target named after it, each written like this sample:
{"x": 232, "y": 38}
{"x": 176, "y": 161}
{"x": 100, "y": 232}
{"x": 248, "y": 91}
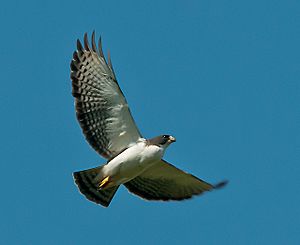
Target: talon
{"x": 103, "y": 183}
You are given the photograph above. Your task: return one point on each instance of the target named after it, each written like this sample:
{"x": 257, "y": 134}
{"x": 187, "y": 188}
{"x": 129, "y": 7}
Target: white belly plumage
{"x": 132, "y": 162}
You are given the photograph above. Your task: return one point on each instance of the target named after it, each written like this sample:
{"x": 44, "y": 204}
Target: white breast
{"x": 133, "y": 161}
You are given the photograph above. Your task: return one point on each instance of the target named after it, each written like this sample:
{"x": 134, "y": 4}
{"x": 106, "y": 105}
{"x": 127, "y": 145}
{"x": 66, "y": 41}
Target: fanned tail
{"x": 88, "y": 182}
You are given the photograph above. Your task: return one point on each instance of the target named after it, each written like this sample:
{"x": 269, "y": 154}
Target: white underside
{"x": 132, "y": 162}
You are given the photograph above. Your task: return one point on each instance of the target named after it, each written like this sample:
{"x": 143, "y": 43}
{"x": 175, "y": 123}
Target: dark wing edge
{"x": 165, "y": 182}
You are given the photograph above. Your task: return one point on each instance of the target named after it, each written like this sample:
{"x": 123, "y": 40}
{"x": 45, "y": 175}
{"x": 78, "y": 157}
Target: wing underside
{"x": 101, "y": 107}
{"x": 165, "y": 182}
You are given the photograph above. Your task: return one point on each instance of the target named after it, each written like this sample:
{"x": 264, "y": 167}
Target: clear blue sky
{"x": 221, "y": 76}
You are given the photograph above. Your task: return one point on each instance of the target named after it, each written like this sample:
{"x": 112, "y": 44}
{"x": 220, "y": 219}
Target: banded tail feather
{"x": 88, "y": 182}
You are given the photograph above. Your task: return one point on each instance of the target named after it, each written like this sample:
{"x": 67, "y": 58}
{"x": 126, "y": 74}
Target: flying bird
{"x": 108, "y": 126}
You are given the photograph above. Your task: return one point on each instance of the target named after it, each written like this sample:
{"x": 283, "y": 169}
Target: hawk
{"x": 108, "y": 126}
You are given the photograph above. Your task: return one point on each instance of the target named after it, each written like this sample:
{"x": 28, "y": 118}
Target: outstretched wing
{"x": 101, "y": 107}
{"x": 165, "y": 182}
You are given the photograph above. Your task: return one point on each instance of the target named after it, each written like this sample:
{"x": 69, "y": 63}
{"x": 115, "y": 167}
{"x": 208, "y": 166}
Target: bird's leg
{"x": 103, "y": 183}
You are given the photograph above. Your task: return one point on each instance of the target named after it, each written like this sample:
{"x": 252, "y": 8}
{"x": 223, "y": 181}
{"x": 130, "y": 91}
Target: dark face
{"x": 162, "y": 140}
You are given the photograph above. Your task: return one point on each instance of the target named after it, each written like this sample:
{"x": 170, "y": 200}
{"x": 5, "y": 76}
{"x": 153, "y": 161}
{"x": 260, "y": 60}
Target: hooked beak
{"x": 172, "y": 139}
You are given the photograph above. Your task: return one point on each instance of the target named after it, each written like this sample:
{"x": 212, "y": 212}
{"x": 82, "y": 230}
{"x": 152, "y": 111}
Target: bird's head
{"x": 162, "y": 140}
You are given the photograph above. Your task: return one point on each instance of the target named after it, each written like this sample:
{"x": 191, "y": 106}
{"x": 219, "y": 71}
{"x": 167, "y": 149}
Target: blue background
{"x": 221, "y": 76}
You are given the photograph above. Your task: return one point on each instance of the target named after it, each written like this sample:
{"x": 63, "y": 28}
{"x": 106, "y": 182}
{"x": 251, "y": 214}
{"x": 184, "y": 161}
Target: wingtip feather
{"x": 94, "y": 47}
{"x": 79, "y": 46}
{"x": 86, "y": 42}
{"x": 221, "y": 184}
{"x": 100, "y": 47}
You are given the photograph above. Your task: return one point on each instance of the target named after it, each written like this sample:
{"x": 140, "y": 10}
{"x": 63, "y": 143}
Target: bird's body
{"x": 109, "y": 127}
{"x": 132, "y": 162}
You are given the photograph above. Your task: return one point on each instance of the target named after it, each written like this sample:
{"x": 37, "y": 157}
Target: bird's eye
{"x": 165, "y": 136}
